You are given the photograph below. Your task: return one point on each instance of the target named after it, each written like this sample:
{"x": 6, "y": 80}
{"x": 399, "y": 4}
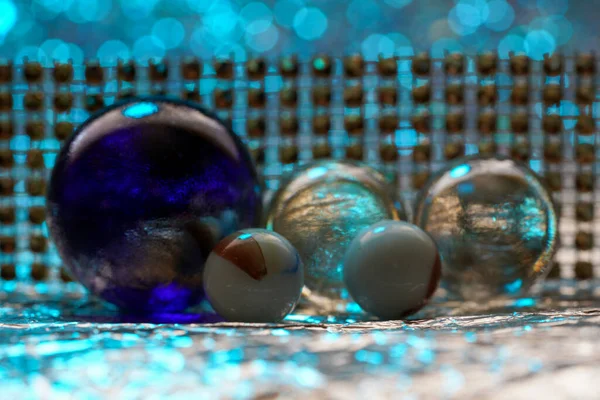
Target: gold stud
{"x": 354, "y": 66}
{"x": 191, "y": 69}
{"x": 421, "y": 64}
{"x": 487, "y": 63}
{"x": 63, "y": 73}
{"x": 321, "y": 124}
{"x": 94, "y": 74}
{"x": 256, "y": 68}
{"x": 552, "y": 124}
{"x": 126, "y": 71}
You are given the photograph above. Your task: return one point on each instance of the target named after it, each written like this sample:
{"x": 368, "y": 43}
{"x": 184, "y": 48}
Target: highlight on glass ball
{"x": 392, "y": 269}
{"x": 494, "y": 224}
{"x": 254, "y": 275}
{"x": 140, "y": 195}
{"x": 320, "y": 209}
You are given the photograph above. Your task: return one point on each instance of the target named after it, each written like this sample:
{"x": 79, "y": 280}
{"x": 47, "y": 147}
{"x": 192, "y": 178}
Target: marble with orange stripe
{"x": 254, "y": 275}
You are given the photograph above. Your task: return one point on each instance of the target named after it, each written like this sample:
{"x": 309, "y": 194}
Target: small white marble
{"x": 391, "y": 269}
{"x": 254, "y": 275}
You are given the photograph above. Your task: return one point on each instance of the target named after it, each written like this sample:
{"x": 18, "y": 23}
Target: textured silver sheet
{"x": 67, "y": 347}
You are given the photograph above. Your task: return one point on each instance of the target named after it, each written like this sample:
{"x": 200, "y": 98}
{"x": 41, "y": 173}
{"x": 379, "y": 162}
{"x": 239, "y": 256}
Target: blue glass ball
{"x": 140, "y": 195}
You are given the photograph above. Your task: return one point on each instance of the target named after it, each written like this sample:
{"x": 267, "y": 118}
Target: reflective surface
{"x": 529, "y": 348}
{"x": 319, "y": 210}
{"x": 139, "y": 197}
{"x": 253, "y": 275}
{"x": 494, "y": 225}
{"x": 391, "y": 269}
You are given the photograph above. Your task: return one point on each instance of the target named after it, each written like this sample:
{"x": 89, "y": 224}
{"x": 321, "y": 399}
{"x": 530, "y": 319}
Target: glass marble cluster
{"x": 141, "y": 194}
{"x": 494, "y": 224}
{"x": 320, "y": 209}
{"x": 254, "y": 275}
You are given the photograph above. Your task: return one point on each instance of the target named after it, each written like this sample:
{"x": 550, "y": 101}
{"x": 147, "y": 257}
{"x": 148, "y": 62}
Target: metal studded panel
{"x": 407, "y": 116}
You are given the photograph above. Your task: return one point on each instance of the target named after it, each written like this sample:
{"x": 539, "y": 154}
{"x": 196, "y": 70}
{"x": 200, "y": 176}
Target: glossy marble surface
{"x": 494, "y": 224}
{"x": 253, "y": 275}
{"x": 391, "y": 269}
{"x": 141, "y": 194}
{"x": 320, "y": 209}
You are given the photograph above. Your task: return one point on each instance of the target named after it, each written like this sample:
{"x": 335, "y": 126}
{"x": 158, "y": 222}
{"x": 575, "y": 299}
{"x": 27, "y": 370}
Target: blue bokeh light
{"x": 376, "y": 45}
{"x": 402, "y": 44}
{"x": 199, "y": 6}
{"x": 472, "y": 13}
{"x": 147, "y": 48}
{"x": 221, "y": 19}
{"x": 169, "y": 31}
{"x": 511, "y": 42}
{"x": 264, "y": 40}
{"x": 257, "y": 17}
{"x": 310, "y": 23}
{"x": 501, "y": 15}
{"x": 539, "y": 42}
{"x": 82, "y": 11}
{"x": 558, "y": 26}
{"x": 137, "y": 9}
{"x": 111, "y": 51}
{"x": 8, "y": 16}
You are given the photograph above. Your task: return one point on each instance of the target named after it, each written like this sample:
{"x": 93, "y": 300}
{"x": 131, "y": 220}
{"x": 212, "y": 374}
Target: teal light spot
{"x": 245, "y": 236}
{"x": 524, "y": 302}
{"x": 369, "y": 357}
{"x": 513, "y": 287}
{"x": 317, "y": 172}
{"x": 471, "y": 337}
{"x": 460, "y": 171}
{"x": 319, "y": 63}
{"x": 353, "y": 308}
{"x": 379, "y": 229}
{"x": 8, "y": 16}
{"x": 140, "y": 110}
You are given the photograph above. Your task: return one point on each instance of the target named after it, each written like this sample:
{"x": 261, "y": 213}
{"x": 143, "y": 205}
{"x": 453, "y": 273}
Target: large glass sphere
{"x": 141, "y": 194}
{"x": 494, "y": 224}
{"x": 320, "y": 209}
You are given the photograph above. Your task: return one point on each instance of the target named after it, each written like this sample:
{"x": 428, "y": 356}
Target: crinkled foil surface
{"x": 68, "y": 346}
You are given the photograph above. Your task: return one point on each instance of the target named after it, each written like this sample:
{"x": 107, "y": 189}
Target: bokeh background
{"x": 141, "y": 29}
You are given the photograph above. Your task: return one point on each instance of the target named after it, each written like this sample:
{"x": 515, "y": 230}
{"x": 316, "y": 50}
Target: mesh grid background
{"x": 407, "y": 116}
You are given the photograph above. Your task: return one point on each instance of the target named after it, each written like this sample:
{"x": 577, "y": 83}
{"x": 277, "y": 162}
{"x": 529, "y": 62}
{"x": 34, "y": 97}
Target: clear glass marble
{"x": 494, "y": 224}
{"x": 320, "y": 209}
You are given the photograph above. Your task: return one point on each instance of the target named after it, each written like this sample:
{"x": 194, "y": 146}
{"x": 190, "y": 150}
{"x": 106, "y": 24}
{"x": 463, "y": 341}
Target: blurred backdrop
{"x": 141, "y": 29}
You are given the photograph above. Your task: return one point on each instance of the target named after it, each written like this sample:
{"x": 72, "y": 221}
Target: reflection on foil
{"x": 54, "y": 346}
